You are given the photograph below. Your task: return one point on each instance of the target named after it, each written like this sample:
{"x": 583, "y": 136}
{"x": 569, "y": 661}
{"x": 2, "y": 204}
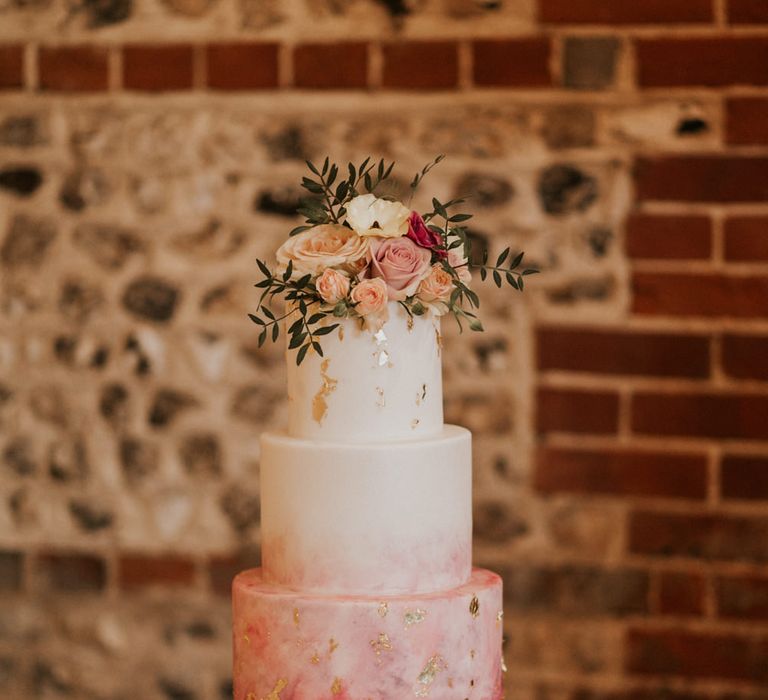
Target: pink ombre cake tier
{"x": 294, "y": 646}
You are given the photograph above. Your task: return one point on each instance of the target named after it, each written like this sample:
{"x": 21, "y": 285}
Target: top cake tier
{"x": 370, "y": 385}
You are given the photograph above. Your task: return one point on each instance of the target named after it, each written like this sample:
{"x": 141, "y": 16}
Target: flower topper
{"x": 357, "y": 252}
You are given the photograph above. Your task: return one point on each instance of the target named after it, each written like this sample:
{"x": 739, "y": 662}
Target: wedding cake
{"x": 366, "y": 589}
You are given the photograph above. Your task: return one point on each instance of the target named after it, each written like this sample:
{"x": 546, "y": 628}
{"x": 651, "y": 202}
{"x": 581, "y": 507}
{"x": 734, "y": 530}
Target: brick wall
{"x": 149, "y": 151}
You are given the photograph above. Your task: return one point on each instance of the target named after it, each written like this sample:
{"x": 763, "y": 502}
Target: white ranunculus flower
{"x": 370, "y": 216}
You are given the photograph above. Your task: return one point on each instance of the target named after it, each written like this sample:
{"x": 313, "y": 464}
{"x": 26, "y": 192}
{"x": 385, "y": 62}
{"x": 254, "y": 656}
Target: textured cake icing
{"x": 366, "y": 590}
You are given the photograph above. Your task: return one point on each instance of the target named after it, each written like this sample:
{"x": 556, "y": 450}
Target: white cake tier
{"x": 386, "y": 517}
{"x": 369, "y": 386}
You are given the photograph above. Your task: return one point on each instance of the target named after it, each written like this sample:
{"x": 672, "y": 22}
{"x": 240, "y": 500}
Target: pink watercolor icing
{"x": 291, "y": 645}
{"x": 433, "y": 564}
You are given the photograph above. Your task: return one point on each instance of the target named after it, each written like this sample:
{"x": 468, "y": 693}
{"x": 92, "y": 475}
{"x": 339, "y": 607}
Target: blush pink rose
{"x": 370, "y": 299}
{"x": 332, "y": 286}
{"x": 437, "y": 285}
{"x": 422, "y": 235}
{"x": 401, "y": 264}
{"x": 459, "y": 263}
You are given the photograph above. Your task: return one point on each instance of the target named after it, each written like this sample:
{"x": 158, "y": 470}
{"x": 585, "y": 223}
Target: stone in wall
{"x": 26, "y": 241}
{"x": 107, "y": 245}
{"x": 564, "y": 189}
{"x": 151, "y": 298}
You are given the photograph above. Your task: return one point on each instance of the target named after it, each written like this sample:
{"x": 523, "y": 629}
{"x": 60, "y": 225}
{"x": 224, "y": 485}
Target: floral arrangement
{"x": 356, "y": 252}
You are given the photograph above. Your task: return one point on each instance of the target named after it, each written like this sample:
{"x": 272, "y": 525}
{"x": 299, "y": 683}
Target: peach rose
{"x": 321, "y": 247}
{"x": 437, "y": 285}
{"x": 401, "y": 264}
{"x": 332, "y": 286}
{"x": 459, "y": 263}
{"x": 369, "y": 296}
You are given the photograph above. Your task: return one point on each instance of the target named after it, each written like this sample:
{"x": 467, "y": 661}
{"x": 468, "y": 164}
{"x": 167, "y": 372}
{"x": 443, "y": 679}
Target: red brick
{"x": 746, "y": 120}
{"x": 708, "y": 295}
{"x": 330, "y": 66}
{"x": 702, "y": 178}
{"x": 722, "y": 416}
{"x": 222, "y": 569}
{"x": 708, "y": 537}
{"x": 645, "y": 12}
{"x": 421, "y": 65}
{"x": 746, "y": 238}
{"x": 73, "y": 68}
{"x": 681, "y": 593}
{"x": 747, "y": 12}
{"x": 622, "y": 473}
{"x": 242, "y": 66}
{"x": 742, "y": 597}
{"x": 138, "y": 571}
{"x": 71, "y": 573}
{"x": 697, "y": 654}
{"x": 744, "y": 477}
{"x": 704, "y": 61}
{"x": 512, "y": 62}
{"x": 573, "y": 590}
{"x": 157, "y": 67}
{"x": 608, "y": 352}
{"x": 11, "y": 570}
{"x": 11, "y": 66}
{"x": 664, "y": 237}
{"x": 577, "y": 411}
{"x": 745, "y": 356}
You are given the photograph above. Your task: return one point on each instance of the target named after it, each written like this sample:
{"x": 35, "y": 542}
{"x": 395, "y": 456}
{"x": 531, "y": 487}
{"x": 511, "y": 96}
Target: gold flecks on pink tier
{"x": 319, "y": 403}
{"x": 413, "y": 617}
{"x": 383, "y": 608}
{"x": 315, "y": 659}
{"x": 336, "y": 687}
{"x": 474, "y": 607}
{"x": 274, "y": 694}
{"x": 296, "y": 617}
{"x": 332, "y": 646}
{"x": 426, "y": 678}
{"x": 499, "y": 617}
{"x": 380, "y": 645}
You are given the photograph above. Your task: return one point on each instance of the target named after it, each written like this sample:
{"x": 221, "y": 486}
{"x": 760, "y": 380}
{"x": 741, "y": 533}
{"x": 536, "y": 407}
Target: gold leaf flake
{"x": 383, "y": 359}
{"x": 381, "y": 644}
{"x": 410, "y": 322}
{"x": 332, "y": 645}
{"x": 336, "y": 687}
{"x": 274, "y": 694}
{"x": 503, "y": 665}
{"x": 450, "y": 681}
{"x": 381, "y": 402}
{"x": 439, "y": 339}
{"x": 413, "y": 617}
{"x": 421, "y": 395}
{"x": 434, "y": 665}
{"x": 414, "y": 423}
{"x": 315, "y": 658}
{"x": 380, "y": 337}
{"x": 383, "y": 609}
{"x": 474, "y": 607}
{"x": 499, "y": 617}
{"x": 341, "y": 333}
{"x": 296, "y": 617}
{"x": 246, "y": 639}
{"x": 319, "y": 403}
{"x": 250, "y": 696}
{"x": 471, "y": 653}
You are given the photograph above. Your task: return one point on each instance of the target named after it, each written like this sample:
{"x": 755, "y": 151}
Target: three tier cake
{"x": 367, "y": 589}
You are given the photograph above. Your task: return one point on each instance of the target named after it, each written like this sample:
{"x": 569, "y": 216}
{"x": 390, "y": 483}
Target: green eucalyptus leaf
{"x": 301, "y": 354}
